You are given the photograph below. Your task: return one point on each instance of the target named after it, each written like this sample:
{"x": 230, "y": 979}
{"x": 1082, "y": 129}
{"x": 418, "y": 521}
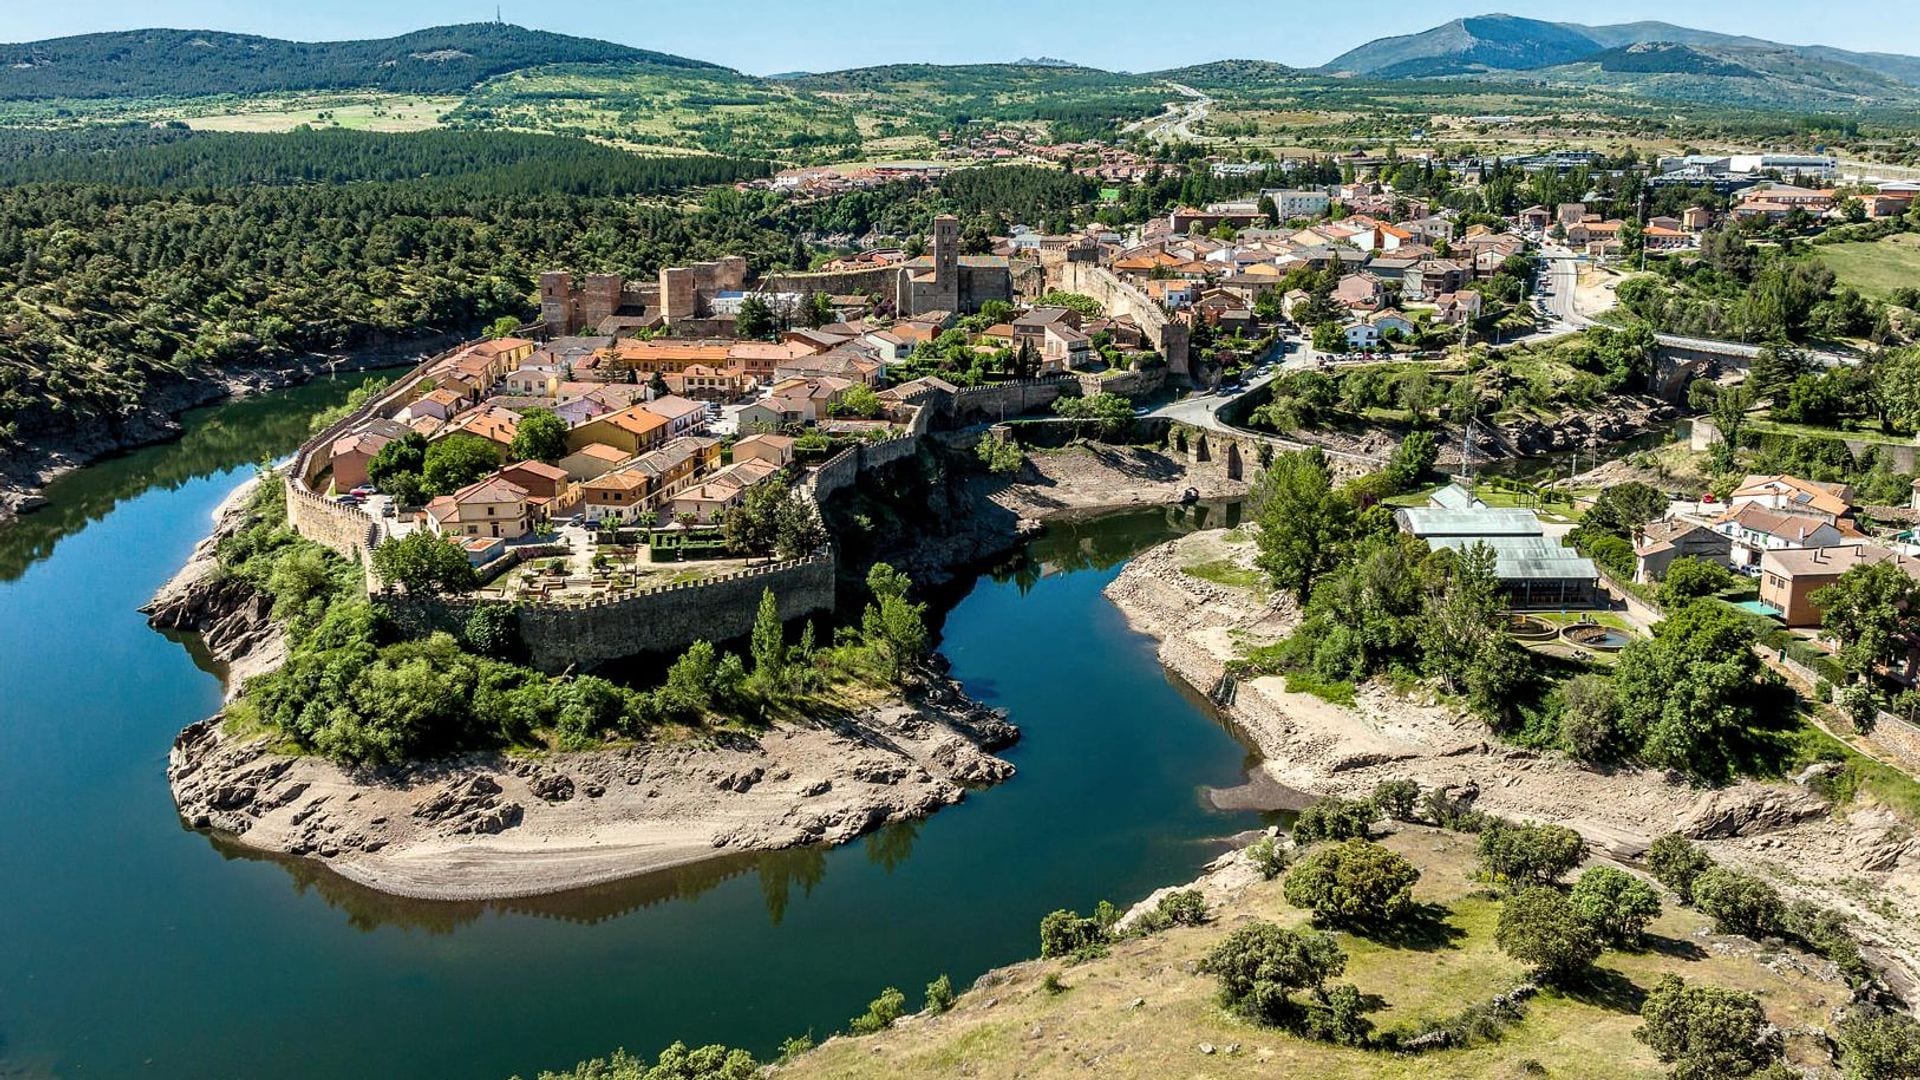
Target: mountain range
{"x": 1655, "y": 57}
{"x": 1652, "y": 59}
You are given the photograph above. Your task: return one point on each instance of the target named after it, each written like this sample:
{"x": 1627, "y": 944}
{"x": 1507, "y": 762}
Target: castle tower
{"x": 556, "y": 301}
{"x": 946, "y": 263}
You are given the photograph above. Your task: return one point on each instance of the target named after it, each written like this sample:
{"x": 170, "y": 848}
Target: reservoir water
{"x": 132, "y": 947}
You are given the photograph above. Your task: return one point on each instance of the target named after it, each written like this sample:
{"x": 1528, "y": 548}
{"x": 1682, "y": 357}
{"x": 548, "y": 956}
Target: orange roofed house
{"x": 491, "y": 507}
{"x": 634, "y": 430}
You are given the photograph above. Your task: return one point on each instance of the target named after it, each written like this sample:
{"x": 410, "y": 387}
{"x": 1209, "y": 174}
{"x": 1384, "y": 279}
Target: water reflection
{"x": 215, "y": 438}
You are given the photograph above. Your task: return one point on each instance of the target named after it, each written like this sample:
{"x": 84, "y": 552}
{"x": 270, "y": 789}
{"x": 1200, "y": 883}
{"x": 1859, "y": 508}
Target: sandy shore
{"x": 1863, "y": 860}
{"x": 490, "y": 826}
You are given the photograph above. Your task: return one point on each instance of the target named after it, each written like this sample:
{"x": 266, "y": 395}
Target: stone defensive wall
{"x": 999, "y": 401}
{"x": 883, "y": 280}
{"x": 668, "y": 619}
{"x": 1120, "y": 298}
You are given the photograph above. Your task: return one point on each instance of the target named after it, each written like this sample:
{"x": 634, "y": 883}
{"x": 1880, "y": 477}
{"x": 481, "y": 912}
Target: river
{"x": 130, "y": 946}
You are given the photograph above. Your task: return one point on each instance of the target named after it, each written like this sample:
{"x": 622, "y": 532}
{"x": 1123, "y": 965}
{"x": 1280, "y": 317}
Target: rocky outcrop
{"x": 233, "y": 619}
{"x": 1587, "y": 430}
{"x": 490, "y": 826}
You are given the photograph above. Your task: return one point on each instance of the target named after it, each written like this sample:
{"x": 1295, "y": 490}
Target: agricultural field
{"x": 641, "y": 106}
{"x": 1876, "y": 268}
{"x": 355, "y": 112}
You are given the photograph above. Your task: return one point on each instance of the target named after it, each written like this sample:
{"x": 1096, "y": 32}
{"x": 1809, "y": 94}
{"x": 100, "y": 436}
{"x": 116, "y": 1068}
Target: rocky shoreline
{"x": 1861, "y": 860}
{"x": 26, "y": 471}
{"x": 494, "y": 826}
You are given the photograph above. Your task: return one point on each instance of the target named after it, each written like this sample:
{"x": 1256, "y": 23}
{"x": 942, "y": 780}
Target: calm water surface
{"x": 130, "y": 946}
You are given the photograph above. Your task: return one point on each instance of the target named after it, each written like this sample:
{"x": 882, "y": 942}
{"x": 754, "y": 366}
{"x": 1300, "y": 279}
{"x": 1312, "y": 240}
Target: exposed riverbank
{"x": 495, "y": 826}
{"x": 1860, "y": 859}
{"x": 26, "y": 471}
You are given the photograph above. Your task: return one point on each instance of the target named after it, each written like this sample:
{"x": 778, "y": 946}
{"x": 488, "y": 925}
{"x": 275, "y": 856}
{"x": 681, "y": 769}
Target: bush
{"x": 1267, "y": 856}
{"x": 1707, "y": 1032}
{"x": 1880, "y": 1047}
{"x": 940, "y": 995}
{"x": 1338, "y": 1015}
{"x": 1185, "y": 907}
{"x": 1676, "y": 862}
{"x": 880, "y": 1014}
{"x": 1738, "y": 903}
{"x": 1336, "y": 819}
{"x": 1590, "y": 721}
{"x": 1356, "y": 883}
{"x": 1617, "y": 905}
{"x": 1540, "y": 928}
{"x": 1690, "y": 579}
{"x": 1826, "y": 932}
{"x": 1260, "y": 965}
{"x": 1456, "y": 813}
{"x": 1520, "y": 855}
{"x": 1398, "y": 799}
{"x": 1065, "y": 933}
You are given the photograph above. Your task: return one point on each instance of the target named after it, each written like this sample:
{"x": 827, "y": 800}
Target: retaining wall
{"x": 1009, "y": 399}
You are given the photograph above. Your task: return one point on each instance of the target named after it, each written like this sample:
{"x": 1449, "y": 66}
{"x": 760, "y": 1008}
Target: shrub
{"x": 1825, "y": 931}
{"x": 1617, "y": 905}
{"x": 881, "y": 1013}
{"x": 1590, "y": 720}
{"x": 1529, "y": 854}
{"x": 1398, "y": 799}
{"x": 940, "y": 995}
{"x": 1267, "y": 856}
{"x": 1260, "y": 965}
{"x": 1707, "y": 1032}
{"x": 1338, "y": 1015}
{"x": 1336, "y": 819}
{"x": 1738, "y": 903}
{"x": 1457, "y": 813}
{"x": 1185, "y": 907}
{"x": 1676, "y": 862}
{"x": 1880, "y": 1047}
{"x": 1052, "y": 984}
{"x": 1355, "y": 883}
{"x": 1065, "y": 933}
{"x": 1541, "y": 928}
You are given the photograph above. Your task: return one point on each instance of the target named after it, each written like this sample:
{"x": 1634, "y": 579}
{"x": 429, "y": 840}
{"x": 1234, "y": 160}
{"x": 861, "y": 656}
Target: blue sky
{"x": 766, "y": 36}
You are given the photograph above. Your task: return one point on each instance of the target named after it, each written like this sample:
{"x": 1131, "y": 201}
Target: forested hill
{"x": 166, "y": 63}
{"x": 489, "y": 163}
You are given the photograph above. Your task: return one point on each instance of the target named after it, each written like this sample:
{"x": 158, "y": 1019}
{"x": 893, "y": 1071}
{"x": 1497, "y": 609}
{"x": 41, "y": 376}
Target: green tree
{"x": 676, "y": 1062}
{"x": 1880, "y": 1047}
{"x": 1398, "y": 799}
{"x": 503, "y": 327}
{"x": 456, "y": 461}
{"x": 1873, "y": 611}
{"x": 1111, "y": 413}
{"x": 1617, "y": 905}
{"x": 1412, "y": 460}
{"x": 859, "y": 402}
{"x": 1677, "y": 863}
{"x": 1590, "y": 720}
{"x": 1540, "y": 928}
{"x": 1708, "y": 1032}
{"x": 405, "y": 456}
{"x": 423, "y": 562}
{"x": 1334, "y": 818}
{"x": 1463, "y": 601}
{"x": 1261, "y": 965}
{"x": 1329, "y": 337}
{"x": 881, "y": 1013}
{"x": 755, "y": 318}
{"x": 1896, "y": 387}
{"x": 1729, "y": 414}
{"x": 893, "y": 625}
{"x": 540, "y": 436}
{"x": 1521, "y": 855}
{"x": 1689, "y": 578}
{"x": 1692, "y": 690}
{"x": 939, "y": 995}
{"x": 1738, "y": 903}
{"x": 819, "y": 310}
{"x": 1304, "y": 521}
{"x": 1623, "y": 508}
{"x": 1065, "y": 933}
{"x": 1356, "y": 883}
{"x": 768, "y": 644}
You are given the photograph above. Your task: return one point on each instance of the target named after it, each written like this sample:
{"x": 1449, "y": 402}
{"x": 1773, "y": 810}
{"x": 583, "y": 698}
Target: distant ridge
{"x": 158, "y": 62}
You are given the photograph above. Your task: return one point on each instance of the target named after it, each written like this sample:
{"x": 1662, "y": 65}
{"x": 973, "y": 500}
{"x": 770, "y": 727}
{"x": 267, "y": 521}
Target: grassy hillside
{"x": 1143, "y": 1012}
{"x": 1877, "y": 268}
{"x": 143, "y": 63}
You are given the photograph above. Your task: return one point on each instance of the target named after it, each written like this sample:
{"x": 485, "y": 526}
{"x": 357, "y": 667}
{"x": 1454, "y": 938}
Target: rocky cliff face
{"x": 232, "y": 618}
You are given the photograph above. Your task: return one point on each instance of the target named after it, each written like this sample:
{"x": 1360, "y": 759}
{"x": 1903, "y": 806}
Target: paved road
{"x": 1177, "y": 122}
